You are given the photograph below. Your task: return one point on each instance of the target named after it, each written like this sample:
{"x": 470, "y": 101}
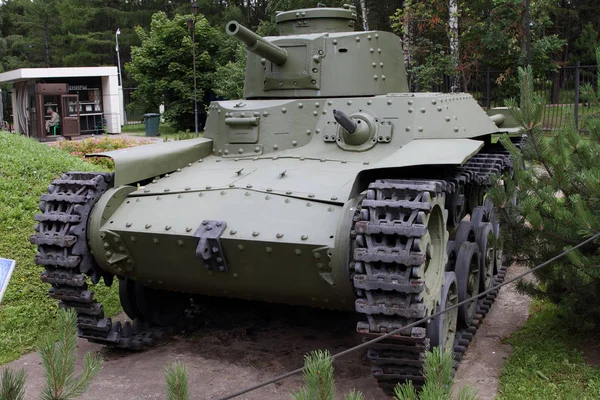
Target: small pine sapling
{"x": 319, "y": 383}
{"x": 58, "y": 360}
{"x": 12, "y": 386}
{"x": 177, "y": 382}
{"x": 437, "y": 370}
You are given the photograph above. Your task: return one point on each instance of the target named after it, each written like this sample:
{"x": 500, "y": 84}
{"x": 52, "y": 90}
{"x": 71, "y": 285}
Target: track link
{"x": 63, "y": 252}
{"x": 384, "y": 262}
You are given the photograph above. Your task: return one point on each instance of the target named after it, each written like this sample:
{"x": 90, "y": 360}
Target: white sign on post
{"x": 6, "y": 269}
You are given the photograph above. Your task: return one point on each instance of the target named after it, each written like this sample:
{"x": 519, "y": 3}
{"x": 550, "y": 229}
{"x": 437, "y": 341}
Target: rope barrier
{"x": 396, "y": 331}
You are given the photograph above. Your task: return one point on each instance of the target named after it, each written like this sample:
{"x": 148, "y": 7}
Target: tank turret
{"x": 318, "y": 54}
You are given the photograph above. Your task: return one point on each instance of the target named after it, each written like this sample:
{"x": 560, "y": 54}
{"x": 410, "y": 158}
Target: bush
{"x": 557, "y": 207}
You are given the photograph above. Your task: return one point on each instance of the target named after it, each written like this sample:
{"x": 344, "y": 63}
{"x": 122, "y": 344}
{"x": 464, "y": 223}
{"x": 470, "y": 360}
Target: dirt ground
{"x": 242, "y": 344}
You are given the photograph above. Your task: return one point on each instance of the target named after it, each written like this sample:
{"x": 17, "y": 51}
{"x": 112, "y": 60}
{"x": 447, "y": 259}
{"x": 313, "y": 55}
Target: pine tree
{"x": 12, "y": 385}
{"x": 557, "y": 204}
{"x": 177, "y": 382}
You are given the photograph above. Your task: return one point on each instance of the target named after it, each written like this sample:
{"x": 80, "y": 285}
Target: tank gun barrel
{"x": 257, "y": 44}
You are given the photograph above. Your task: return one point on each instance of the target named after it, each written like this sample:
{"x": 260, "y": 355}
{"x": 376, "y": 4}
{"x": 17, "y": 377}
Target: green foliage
{"x": 545, "y": 364}
{"x": 177, "y": 382}
{"x": 558, "y": 206}
{"x": 58, "y": 359}
{"x": 12, "y": 384}
{"x": 162, "y": 66}
{"x": 26, "y": 311}
{"x": 319, "y": 383}
{"x": 229, "y": 78}
{"x": 437, "y": 369}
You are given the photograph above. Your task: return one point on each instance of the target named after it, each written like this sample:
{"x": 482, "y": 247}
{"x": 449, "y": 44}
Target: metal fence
{"x": 134, "y": 115}
{"x": 560, "y": 89}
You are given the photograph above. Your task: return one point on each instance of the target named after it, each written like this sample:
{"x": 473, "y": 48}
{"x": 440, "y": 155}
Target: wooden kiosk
{"x": 54, "y": 95}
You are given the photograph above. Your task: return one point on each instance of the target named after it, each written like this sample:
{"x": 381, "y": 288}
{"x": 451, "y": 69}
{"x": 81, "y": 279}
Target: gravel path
{"x": 243, "y": 343}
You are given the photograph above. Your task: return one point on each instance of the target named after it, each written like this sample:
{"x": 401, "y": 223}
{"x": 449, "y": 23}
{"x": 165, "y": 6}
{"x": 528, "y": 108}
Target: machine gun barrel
{"x": 257, "y": 44}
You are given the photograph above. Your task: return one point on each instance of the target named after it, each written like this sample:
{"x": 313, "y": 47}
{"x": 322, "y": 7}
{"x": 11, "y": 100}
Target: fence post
{"x": 577, "y": 68}
{"x": 488, "y": 89}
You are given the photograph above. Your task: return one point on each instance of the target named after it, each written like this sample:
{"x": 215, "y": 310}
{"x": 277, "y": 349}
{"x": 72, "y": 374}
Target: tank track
{"x": 63, "y": 252}
{"x": 388, "y": 287}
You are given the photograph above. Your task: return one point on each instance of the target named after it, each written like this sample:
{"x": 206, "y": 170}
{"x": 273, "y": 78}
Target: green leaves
{"x": 12, "y": 384}
{"x": 177, "y": 382}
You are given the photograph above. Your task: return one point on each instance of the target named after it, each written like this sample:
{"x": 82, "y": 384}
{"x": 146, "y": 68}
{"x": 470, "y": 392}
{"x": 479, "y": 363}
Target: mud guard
{"x": 135, "y": 164}
{"x": 421, "y": 152}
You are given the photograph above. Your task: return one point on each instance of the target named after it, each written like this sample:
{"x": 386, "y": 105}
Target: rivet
{"x": 383, "y": 77}
{"x": 333, "y": 198}
{"x": 434, "y": 102}
{"x": 320, "y": 265}
{"x": 178, "y": 169}
{"x": 389, "y": 102}
{"x": 154, "y": 180}
{"x": 156, "y": 241}
{"x": 308, "y": 132}
{"x": 311, "y": 195}
{"x": 267, "y": 197}
{"x": 287, "y": 200}
{"x": 200, "y": 194}
{"x": 420, "y": 129}
{"x": 204, "y": 223}
{"x": 279, "y": 235}
{"x": 269, "y": 189}
{"x": 423, "y": 111}
{"x": 265, "y": 114}
{"x": 317, "y": 255}
{"x": 439, "y": 109}
{"x": 283, "y": 110}
{"x": 407, "y": 129}
{"x": 158, "y": 197}
{"x": 317, "y": 131}
{"x": 377, "y": 36}
{"x": 288, "y": 192}
{"x": 330, "y": 209}
{"x": 372, "y": 50}
{"x": 148, "y": 226}
{"x": 106, "y": 245}
{"x": 240, "y": 151}
{"x": 255, "y": 233}
{"x": 369, "y": 37}
{"x": 167, "y": 175}
{"x": 317, "y": 105}
{"x": 298, "y": 252}
{"x": 222, "y": 193}
{"x": 208, "y": 188}
{"x": 294, "y": 143}
{"x": 447, "y": 119}
{"x": 315, "y": 113}
{"x": 329, "y": 102}
{"x": 108, "y": 254}
{"x": 349, "y": 102}
{"x": 410, "y": 110}
{"x": 235, "y": 275}
{"x": 226, "y": 152}
{"x": 366, "y": 163}
{"x": 275, "y": 147}
{"x": 268, "y": 249}
{"x": 379, "y": 51}
{"x": 249, "y": 186}
{"x": 369, "y": 102}
{"x": 232, "y": 232}
{"x": 168, "y": 227}
{"x": 241, "y": 247}
{"x": 188, "y": 229}
{"x": 128, "y": 224}
{"x": 188, "y": 188}
{"x": 231, "y": 185}
{"x": 133, "y": 239}
{"x": 410, "y": 102}
{"x": 335, "y": 41}
{"x": 146, "y": 190}
{"x": 180, "y": 242}
{"x": 308, "y": 204}
{"x": 303, "y": 237}
{"x": 381, "y": 65}
{"x": 324, "y": 112}
{"x": 180, "y": 196}
{"x": 456, "y": 129}
{"x": 357, "y": 39}
{"x": 199, "y": 161}
{"x": 247, "y": 194}
{"x": 375, "y": 77}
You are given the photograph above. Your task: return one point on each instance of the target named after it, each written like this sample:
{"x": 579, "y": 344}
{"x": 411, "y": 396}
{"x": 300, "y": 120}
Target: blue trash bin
{"x": 151, "y": 121}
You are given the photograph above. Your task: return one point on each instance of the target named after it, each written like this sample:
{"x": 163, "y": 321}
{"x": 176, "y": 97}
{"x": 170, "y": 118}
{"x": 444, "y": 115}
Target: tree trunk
{"x": 453, "y": 35}
{"x": 363, "y": 7}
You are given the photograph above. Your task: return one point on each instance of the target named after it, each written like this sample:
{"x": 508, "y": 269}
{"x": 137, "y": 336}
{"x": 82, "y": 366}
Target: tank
{"x": 328, "y": 185}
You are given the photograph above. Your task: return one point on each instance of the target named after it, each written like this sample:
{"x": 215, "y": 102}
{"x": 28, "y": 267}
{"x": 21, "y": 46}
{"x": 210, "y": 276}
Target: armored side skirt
{"x": 234, "y": 243}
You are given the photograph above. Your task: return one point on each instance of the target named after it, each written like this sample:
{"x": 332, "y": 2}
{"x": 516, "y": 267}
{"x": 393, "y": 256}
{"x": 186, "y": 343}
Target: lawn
{"x": 546, "y": 364}
{"x": 26, "y": 169}
{"x": 164, "y": 130}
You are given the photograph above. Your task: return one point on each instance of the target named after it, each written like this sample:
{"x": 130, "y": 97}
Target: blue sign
{"x": 6, "y": 269}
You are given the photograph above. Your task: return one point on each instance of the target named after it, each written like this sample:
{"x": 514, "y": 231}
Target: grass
{"x": 26, "y": 312}
{"x": 545, "y": 363}
{"x": 140, "y": 130}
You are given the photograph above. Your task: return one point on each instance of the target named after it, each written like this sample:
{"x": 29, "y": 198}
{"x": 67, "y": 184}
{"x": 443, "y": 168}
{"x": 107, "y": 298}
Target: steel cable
{"x": 396, "y": 331}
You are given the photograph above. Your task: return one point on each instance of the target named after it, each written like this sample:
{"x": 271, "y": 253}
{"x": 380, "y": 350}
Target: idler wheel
{"x": 467, "y": 278}
{"x": 455, "y": 204}
{"x": 442, "y": 329}
{"x": 160, "y": 307}
{"x": 464, "y": 233}
{"x": 127, "y": 298}
{"x": 451, "y": 251}
{"x": 484, "y": 239}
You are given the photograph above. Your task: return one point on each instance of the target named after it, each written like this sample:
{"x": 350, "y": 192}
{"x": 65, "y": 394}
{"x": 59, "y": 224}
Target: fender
{"x": 420, "y": 152}
{"x": 135, "y": 164}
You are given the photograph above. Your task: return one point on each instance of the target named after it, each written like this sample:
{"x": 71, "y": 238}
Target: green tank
{"x": 328, "y": 185}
